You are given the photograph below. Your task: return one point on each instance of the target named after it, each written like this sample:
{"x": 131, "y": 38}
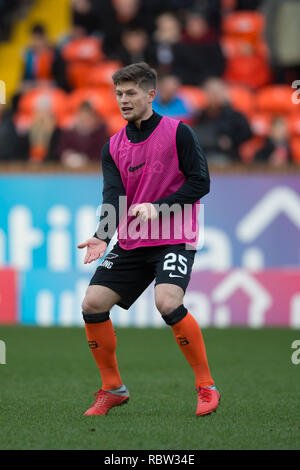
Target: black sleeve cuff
{"x": 106, "y": 240}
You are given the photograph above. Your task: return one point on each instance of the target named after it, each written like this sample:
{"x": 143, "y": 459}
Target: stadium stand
{"x": 86, "y": 39}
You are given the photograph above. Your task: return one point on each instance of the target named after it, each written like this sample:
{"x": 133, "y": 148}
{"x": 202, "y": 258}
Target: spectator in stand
{"x": 42, "y": 63}
{"x": 199, "y": 55}
{"x": 83, "y": 143}
{"x": 220, "y": 128}
{"x": 43, "y": 133}
{"x": 9, "y": 141}
{"x": 276, "y": 150}
{"x": 212, "y": 10}
{"x": 39, "y": 57}
{"x": 134, "y": 46}
{"x": 168, "y": 101}
{"x": 116, "y": 15}
{"x": 83, "y": 17}
{"x": 163, "y": 44}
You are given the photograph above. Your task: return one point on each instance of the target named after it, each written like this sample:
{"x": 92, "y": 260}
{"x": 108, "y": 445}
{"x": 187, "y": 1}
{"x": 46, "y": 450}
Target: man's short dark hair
{"x": 141, "y": 73}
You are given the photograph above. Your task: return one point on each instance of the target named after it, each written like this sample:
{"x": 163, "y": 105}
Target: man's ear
{"x": 152, "y": 95}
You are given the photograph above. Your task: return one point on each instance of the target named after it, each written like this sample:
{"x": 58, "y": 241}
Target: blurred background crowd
{"x": 226, "y": 67}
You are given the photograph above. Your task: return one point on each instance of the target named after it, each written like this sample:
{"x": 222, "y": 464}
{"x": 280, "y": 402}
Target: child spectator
{"x": 276, "y": 150}
{"x": 39, "y": 56}
{"x": 42, "y": 62}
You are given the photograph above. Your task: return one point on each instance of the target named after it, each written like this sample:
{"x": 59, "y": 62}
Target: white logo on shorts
{"x": 107, "y": 264}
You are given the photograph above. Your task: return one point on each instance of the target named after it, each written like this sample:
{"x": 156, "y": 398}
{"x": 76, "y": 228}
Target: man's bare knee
{"x": 89, "y": 306}
{"x": 168, "y": 298}
{"x": 99, "y": 299}
{"x": 166, "y": 305}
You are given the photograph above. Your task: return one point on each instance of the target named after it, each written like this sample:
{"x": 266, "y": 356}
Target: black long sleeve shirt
{"x": 191, "y": 159}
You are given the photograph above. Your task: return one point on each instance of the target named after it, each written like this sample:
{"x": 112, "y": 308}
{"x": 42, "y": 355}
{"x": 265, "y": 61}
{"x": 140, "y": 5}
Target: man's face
{"x": 134, "y": 102}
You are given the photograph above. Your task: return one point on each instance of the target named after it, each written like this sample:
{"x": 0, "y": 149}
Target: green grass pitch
{"x": 50, "y": 376}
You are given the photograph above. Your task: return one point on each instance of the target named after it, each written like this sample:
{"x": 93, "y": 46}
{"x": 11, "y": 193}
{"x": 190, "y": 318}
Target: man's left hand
{"x": 145, "y": 211}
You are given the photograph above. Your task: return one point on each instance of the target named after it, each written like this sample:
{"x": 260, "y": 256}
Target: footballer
{"x": 155, "y": 162}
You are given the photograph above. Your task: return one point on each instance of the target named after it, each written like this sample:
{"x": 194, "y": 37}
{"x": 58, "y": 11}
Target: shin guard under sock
{"x": 103, "y": 342}
{"x": 189, "y": 338}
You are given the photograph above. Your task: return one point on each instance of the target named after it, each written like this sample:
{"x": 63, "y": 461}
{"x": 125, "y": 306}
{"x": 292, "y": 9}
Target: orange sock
{"x": 103, "y": 342}
{"x": 189, "y": 338}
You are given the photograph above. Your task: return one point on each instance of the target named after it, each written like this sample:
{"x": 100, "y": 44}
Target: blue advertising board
{"x": 250, "y": 221}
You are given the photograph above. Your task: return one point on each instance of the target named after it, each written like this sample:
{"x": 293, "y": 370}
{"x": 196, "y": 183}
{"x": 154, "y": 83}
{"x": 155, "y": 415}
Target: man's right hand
{"x": 95, "y": 249}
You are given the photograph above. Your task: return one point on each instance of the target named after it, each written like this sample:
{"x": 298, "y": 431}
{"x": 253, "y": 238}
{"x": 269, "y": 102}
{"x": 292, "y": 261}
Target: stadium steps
{"x": 55, "y": 15}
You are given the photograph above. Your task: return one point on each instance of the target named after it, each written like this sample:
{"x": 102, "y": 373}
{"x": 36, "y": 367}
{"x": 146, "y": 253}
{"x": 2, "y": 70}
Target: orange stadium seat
{"x": 103, "y": 102}
{"x": 87, "y": 49}
{"x": 81, "y": 55}
{"x": 78, "y": 73}
{"x": 67, "y": 120}
{"x": 101, "y": 75}
{"x": 275, "y": 99}
{"x": 247, "y": 25}
{"x": 252, "y": 71}
{"x": 54, "y": 97}
{"x": 241, "y": 99}
{"x": 246, "y": 63}
{"x": 194, "y": 96}
{"x": 230, "y": 46}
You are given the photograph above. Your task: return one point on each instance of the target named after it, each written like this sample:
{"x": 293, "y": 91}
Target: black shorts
{"x": 129, "y": 272}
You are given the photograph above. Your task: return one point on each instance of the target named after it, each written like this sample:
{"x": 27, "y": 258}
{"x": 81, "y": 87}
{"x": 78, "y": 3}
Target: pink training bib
{"x": 150, "y": 171}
